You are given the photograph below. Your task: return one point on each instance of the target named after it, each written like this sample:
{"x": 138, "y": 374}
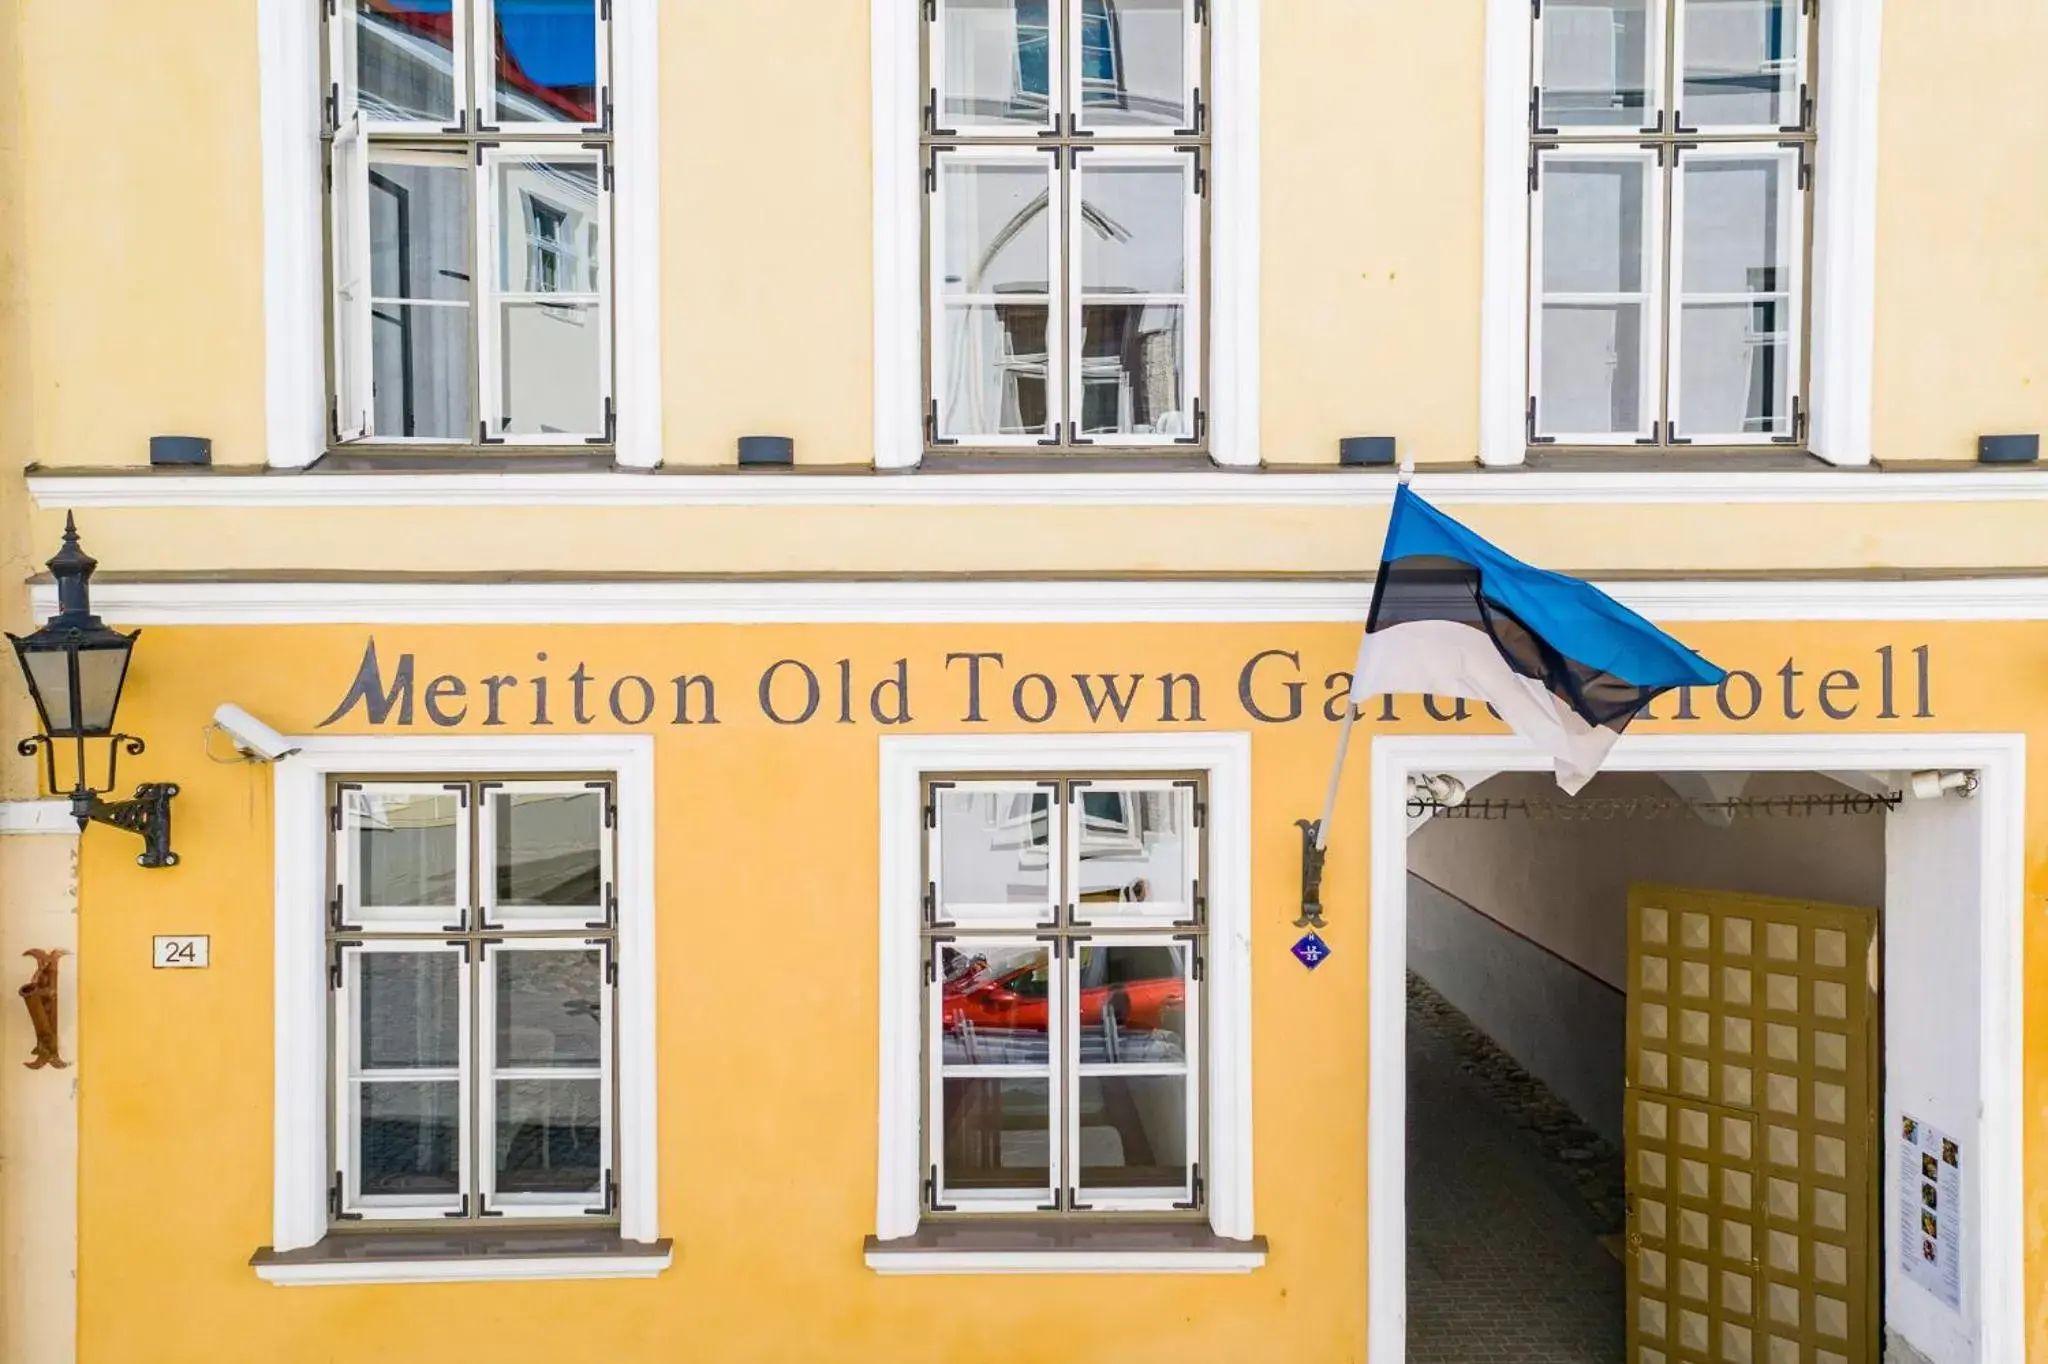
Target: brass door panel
{"x": 1750, "y": 1130}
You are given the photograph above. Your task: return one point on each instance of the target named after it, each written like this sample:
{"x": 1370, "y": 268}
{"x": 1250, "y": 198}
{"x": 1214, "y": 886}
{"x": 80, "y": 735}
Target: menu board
{"x": 1931, "y": 1209}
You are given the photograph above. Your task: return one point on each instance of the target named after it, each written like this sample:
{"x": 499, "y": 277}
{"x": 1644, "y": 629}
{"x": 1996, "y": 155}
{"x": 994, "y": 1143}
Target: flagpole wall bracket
{"x": 1311, "y": 875}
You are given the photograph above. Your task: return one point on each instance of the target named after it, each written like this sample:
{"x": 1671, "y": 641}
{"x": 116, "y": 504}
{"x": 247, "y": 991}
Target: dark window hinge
{"x": 931, "y": 972}
{"x": 1194, "y": 789}
{"x": 611, "y": 810}
{"x": 463, "y": 1212}
{"x": 1201, "y": 171}
{"x": 1655, "y": 437}
{"x": 931, "y": 902}
{"x": 611, "y": 1199}
{"x": 1201, "y": 11}
{"x": 333, "y": 107}
{"x": 334, "y": 909}
{"x": 1535, "y": 169}
{"x": 604, "y": 9}
{"x": 931, "y": 426}
{"x": 1530, "y": 420}
{"x": 334, "y": 1202}
{"x": 1196, "y": 965}
{"x": 1200, "y": 424}
{"x": 334, "y": 970}
{"x": 931, "y": 10}
{"x": 1798, "y": 434}
{"x": 931, "y": 175}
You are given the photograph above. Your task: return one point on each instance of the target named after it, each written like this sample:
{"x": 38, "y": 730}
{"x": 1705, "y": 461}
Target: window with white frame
{"x": 1065, "y": 147}
{"x": 1064, "y": 942}
{"x": 1670, "y": 172}
{"x": 469, "y": 194}
{"x": 472, "y": 966}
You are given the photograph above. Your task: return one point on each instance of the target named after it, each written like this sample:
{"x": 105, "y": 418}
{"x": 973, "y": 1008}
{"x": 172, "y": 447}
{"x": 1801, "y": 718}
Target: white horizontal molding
{"x": 37, "y": 817}
{"x": 1099, "y": 489}
{"x": 1024, "y": 601}
{"x": 1064, "y": 1262}
{"x": 467, "y": 1271}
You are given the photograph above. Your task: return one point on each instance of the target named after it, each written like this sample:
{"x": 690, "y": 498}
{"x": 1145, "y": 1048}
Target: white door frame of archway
{"x": 1999, "y": 1327}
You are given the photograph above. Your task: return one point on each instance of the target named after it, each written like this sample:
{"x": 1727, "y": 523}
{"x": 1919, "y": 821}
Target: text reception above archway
{"x": 553, "y": 689}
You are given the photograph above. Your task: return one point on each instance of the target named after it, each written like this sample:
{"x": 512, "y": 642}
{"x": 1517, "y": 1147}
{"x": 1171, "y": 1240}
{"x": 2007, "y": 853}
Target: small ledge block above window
{"x": 1013, "y": 1247}
{"x": 464, "y": 1257}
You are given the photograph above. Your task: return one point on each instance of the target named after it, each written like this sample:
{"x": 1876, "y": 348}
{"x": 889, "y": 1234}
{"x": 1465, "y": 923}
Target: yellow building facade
{"x": 629, "y": 758}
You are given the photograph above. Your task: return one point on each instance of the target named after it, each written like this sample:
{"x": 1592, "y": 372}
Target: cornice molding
{"x": 139, "y": 490}
{"x": 977, "y": 601}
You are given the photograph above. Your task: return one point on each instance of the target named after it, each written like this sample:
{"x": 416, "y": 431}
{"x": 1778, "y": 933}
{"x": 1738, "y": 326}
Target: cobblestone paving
{"x": 1504, "y": 1264}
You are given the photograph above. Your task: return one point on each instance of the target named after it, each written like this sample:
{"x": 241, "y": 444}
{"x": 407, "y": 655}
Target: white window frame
{"x": 1790, "y": 226}
{"x": 295, "y": 289}
{"x": 489, "y": 1073}
{"x": 492, "y": 295}
{"x": 1231, "y": 388}
{"x": 580, "y": 917}
{"x": 1138, "y": 1200}
{"x": 347, "y": 1133}
{"x": 1188, "y": 300}
{"x": 302, "y": 1003}
{"x": 1028, "y": 157}
{"x": 1650, "y": 297}
{"x": 357, "y": 916}
{"x": 484, "y": 80}
{"x": 1225, "y": 760}
{"x": 1843, "y": 285}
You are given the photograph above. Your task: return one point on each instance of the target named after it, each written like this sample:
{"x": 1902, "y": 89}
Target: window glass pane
{"x": 995, "y": 63}
{"x": 408, "y": 1010}
{"x": 1741, "y": 63}
{"x": 407, "y": 848}
{"x": 419, "y": 226}
{"x": 996, "y": 1134}
{"x": 548, "y": 232}
{"x": 997, "y": 228}
{"x": 1133, "y": 1131}
{"x": 552, "y": 367}
{"x": 1135, "y": 852}
{"x": 550, "y": 1137}
{"x": 1596, "y": 63}
{"x": 1132, "y": 1000}
{"x": 1133, "y": 370}
{"x": 419, "y": 282}
{"x": 1593, "y": 225}
{"x": 1134, "y": 227}
{"x": 547, "y": 849}
{"x": 1735, "y": 369}
{"x": 994, "y": 1004}
{"x": 550, "y": 1007}
{"x": 409, "y": 1134}
{"x": 1734, "y": 239}
{"x": 995, "y": 851}
{"x": 405, "y": 60}
{"x": 1592, "y": 368}
{"x": 1133, "y": 63}
{"x": 992, "y": 371}
{"x": 544, "y": 60}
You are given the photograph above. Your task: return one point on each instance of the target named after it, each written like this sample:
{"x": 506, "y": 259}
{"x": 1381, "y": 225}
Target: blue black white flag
{"x": 1561, "y": 662}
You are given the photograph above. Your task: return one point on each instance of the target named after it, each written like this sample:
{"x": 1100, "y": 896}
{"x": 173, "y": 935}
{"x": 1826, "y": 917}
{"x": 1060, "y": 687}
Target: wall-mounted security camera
{"x": 252, "y": 738}
{"x": 1934, "y": 785}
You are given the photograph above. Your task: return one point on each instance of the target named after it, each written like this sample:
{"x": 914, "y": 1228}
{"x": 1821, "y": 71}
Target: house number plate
{"x": 187, "y": 953}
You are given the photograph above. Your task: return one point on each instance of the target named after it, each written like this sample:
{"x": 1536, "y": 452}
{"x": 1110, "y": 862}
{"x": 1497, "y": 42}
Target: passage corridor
{"x": 1503, "y": 1259}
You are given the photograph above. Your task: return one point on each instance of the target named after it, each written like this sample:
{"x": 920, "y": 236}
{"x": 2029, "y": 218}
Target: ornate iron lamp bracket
{"x": 147, "y": 813}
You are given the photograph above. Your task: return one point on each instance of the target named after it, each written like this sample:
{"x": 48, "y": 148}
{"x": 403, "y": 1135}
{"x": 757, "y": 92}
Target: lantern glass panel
{"x": 101, "y": 671}
{"x": 49, "y": 676}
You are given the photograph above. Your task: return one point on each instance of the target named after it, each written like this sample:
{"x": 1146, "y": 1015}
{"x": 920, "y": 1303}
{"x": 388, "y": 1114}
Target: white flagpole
{"x": 1350, "y": 718}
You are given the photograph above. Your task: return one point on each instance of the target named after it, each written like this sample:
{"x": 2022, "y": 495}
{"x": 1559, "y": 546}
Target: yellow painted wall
{"x": 142, "y": 223}
{"x": 767, "y": 853}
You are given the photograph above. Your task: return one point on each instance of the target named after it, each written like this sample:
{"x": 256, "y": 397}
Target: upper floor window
{"x": 1670, "y": 173}
{"x": 1065, "y": 147}
{"x": 469, "y": 196}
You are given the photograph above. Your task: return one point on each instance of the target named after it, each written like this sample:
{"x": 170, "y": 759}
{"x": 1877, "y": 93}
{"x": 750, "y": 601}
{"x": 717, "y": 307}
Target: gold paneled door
{"x": 1750, "y": 1130}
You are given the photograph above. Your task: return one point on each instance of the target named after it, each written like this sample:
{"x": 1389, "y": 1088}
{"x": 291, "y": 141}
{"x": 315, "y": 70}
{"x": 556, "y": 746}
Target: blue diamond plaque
{"x": 1311, "y": 951}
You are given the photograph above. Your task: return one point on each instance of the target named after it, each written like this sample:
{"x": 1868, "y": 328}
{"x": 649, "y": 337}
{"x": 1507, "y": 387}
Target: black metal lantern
{"x": 75, "y": 666}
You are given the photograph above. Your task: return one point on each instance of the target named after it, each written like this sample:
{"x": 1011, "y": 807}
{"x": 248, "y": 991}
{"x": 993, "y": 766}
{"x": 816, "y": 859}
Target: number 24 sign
{"x": 182, "y": 953}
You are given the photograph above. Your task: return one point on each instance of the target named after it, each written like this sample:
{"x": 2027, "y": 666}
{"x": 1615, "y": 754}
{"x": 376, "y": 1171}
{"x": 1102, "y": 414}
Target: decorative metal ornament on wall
{"x": 40, "y": 997}
{"x": 75, "y": 666}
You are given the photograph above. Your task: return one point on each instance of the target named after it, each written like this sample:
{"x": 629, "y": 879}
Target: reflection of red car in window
{"x": 1151, "y": 996}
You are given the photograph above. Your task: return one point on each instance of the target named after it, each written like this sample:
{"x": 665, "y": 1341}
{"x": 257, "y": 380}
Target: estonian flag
{"x": 1564, "y": 664}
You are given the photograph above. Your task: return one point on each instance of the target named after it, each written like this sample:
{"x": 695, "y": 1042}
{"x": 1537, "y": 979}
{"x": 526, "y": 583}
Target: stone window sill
{"x": 463, "y": 1257}
{"x": 1010, "y": 1247}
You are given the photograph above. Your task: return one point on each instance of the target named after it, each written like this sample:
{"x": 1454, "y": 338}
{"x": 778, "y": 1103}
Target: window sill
{"x": 463, "y": 1257}
{"x": 1009, "y": 1247}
